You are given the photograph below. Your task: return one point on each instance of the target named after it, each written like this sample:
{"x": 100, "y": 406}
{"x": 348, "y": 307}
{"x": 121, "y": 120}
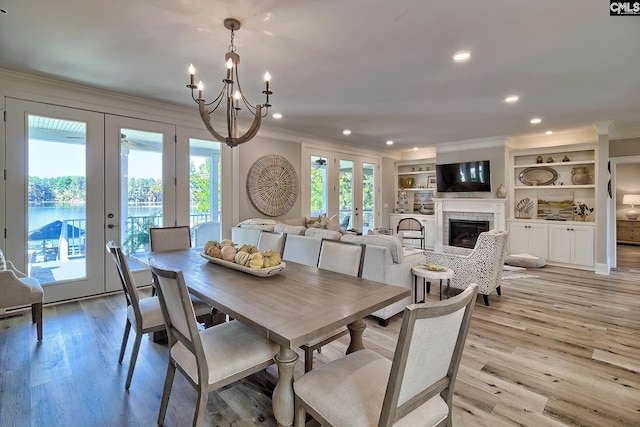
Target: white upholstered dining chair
{"x": 341, "y": 257}
{"x": 272, "y": 241}
{"x": 169, "y": 238}
{"x": 16, "y": 289}
{"x": 208, "y": 359}
{"x": 416, "y": 388}
{"x": 143, "y": 314}
{"x": 175, "y": 238}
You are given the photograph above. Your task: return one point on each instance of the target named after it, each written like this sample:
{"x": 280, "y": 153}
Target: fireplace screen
{"x": 463, "y": 233}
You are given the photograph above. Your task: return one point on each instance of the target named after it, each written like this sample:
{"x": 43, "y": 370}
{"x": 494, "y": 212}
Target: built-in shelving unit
{"x": 544, "y": 185}
{"x": 416, "y": 182}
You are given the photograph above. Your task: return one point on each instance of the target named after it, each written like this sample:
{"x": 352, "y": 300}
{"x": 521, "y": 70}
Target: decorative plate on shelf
{"x": 259, "y": 272}
{"x": 540, "y": 175}
{"x": 433, "y": 267}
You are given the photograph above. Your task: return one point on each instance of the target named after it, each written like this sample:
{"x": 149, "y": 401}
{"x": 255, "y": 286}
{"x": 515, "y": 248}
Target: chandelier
{"x": 231, "y": 92}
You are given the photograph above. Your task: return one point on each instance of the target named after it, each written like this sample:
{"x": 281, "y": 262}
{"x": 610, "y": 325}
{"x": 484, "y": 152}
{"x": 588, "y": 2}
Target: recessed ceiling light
{"x": 389, "y": 142}
{"x": 415, "y": 148}
{"x": 277, "y": 116}
{"x": 511, "y": 99}
{"x": 346, "y": 132}
{"x": 535, "y": 121}
{"x": 549, "y": 132}
{"x": 462, "y": 56}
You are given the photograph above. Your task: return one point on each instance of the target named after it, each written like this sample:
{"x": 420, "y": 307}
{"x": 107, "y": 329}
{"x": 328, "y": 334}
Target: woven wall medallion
{"x": 272, "y": 185}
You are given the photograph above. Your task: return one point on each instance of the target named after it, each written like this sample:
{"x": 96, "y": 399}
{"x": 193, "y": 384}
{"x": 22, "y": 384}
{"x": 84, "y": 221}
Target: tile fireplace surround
{"x": 472, "y": 209}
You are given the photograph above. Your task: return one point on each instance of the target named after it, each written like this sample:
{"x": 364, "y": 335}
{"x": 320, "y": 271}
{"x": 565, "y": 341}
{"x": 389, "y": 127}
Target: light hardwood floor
{"x": 560, "y": 347}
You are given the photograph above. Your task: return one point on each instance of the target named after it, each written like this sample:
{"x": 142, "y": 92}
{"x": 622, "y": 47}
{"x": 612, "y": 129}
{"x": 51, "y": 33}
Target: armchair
{"x": 16, "y": 289}
{"x": 481, "y": 265}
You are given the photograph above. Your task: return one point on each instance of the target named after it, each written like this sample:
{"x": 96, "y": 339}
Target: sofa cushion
{"x": 324, "y": 233}
{"x": 392, "y": 242}
{"x": 290, "y": 229}
{"x": 300, "y": 221}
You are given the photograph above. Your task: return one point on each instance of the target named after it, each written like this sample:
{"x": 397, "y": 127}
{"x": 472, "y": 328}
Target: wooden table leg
{"x": 283, "y": 397}
{"x": 356, "y": 330}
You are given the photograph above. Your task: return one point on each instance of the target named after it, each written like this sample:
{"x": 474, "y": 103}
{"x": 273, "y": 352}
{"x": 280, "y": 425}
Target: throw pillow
{"x": 325, "y": 234}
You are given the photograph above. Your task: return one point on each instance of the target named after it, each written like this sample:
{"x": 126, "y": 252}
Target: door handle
{"x": 112, "y": 225}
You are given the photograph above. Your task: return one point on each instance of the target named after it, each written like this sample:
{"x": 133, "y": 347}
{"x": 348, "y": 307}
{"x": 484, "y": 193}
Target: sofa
{"x": 385, "y": 260}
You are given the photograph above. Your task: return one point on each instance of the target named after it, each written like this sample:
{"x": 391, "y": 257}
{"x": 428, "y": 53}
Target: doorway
{"x": 625, "y": 179}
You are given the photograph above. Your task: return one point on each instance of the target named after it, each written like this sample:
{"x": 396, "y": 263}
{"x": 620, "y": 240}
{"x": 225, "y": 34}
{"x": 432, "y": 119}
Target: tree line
{"x": 67, "y": 189}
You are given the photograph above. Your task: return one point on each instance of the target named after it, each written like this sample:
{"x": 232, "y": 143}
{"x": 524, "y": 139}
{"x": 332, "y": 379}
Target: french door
{"x": 140, "y": 183}
{"x": 342, "y": 185}
{"x": 55, "y": 197}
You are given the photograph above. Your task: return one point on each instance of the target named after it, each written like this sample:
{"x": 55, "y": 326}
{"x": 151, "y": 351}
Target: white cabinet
{"x": 571, "y": 244}
{"x": 427, "y": 221}
{"x": 528, "y": 237}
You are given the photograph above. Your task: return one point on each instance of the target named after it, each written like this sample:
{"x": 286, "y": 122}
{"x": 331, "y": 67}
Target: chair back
{"x": 126, "y": 279}
{"x": 427, "y": 355}
{"x": 342, "y": 257}
{"x": 488, "y": 256}
{"x": 169, "y": 238}
{"x": 302, "y": 249}
{"x": 179, "y": 316}
{"x": 205, "y": 231}
{"x": 272, "y": 241}
{"x": 409, "y": 224}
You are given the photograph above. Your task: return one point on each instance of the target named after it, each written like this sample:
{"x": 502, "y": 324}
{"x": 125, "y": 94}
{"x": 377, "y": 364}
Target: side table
{"x": 427, "y": 277}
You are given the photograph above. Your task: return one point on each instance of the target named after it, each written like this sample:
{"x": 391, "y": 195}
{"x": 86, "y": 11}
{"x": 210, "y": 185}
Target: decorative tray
{"x": 259, "y": 272}
{"x": 433, "y": 267}
{"x": 539, "y": 175}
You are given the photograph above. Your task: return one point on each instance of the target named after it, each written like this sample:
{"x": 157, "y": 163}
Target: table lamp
{"x": 631, "y": 199}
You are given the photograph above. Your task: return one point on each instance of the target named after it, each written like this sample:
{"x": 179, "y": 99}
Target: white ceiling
{"x": 381, "y": 68}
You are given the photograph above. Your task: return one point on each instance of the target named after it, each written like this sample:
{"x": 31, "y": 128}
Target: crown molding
{"x": 471, "y": 144}
{"x": 624, "y": 133}
{"x": 604, "y": 127}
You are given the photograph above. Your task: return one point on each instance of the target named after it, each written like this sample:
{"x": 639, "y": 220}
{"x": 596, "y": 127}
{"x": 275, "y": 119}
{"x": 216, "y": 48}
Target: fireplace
{"x": 464, "y": 233}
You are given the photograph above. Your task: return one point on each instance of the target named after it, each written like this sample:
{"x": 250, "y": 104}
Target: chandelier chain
{"x": 232, "y": 47}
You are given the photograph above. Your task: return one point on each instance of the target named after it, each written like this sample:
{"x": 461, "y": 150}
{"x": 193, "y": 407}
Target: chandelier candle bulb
{"x": 192, "y": 72}
{"x": 200, "y": 89}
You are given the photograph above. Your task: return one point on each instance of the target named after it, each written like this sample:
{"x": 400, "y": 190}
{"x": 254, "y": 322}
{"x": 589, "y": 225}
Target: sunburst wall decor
{"x": 272, "y": 185}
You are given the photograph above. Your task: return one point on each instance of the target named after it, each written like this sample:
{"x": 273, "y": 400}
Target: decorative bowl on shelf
{"x": 406, "y": 182}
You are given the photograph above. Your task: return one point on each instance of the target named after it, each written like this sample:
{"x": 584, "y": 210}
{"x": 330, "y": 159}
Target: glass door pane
{"x": 54, "y": 155}
{"x": 348, "y": 210}
{"x": 368, "y": 197}
{"x": 57, "y": 189}
{"x": 319, "y": 184}
{"x": 141, "y": 184}
{"x": 205, "y": 190}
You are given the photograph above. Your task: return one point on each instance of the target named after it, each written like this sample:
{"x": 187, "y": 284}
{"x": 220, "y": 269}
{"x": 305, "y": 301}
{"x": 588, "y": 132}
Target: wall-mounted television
{"x": 464, "y": 177}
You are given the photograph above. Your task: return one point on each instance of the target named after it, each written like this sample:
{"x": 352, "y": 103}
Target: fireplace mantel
{"x": 494, "y": 207}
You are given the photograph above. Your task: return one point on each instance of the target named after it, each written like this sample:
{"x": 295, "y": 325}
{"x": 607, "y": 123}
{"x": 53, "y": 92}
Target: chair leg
{"x": 166, "y": 391}
{"x": 36, "y": 317}
{"x": 308, "y": 359}
{"x": 201, "y": 406}
{"x": 134, "y": 357}
{"x": 486, "y": 299}
{"x": 125, "y": 338}
{"x": 498, "y": 290}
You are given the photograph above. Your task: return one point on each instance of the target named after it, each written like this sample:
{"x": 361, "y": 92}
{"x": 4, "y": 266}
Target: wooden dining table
{"x": 291, "y": 308}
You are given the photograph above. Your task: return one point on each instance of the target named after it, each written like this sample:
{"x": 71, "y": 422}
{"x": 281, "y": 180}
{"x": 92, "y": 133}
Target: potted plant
{"x": 580, "y": 211}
